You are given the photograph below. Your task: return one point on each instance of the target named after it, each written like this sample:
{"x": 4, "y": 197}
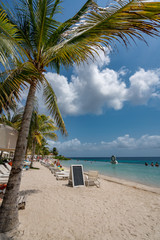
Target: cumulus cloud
{"x": 143, "y": 86}
{"x": 90, "y": 88}
{"x": 94, "y": 87}
{"x": 143, "y": 144}
{"x": 126, "y": 141}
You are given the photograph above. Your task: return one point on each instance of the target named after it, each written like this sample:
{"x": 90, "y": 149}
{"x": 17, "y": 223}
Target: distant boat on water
{"x": 114, "y": 160}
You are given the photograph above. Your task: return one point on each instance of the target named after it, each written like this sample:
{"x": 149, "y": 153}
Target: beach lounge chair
{"x": 4, "y": 170}
{"x": 54, "y": 170}
{"x": 62, "y": 175}
{"x": 26, "y": 163}
{"x": 21, "y": 202}
{"x": 8, "y": 166}
{"x": 3, "y": 180}
{"x": 4, "y": 175}
{"x": 92, "y": 179}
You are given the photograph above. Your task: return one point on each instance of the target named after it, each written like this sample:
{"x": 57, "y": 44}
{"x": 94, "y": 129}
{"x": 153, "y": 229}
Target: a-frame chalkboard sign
{"x": 76, "y": 178}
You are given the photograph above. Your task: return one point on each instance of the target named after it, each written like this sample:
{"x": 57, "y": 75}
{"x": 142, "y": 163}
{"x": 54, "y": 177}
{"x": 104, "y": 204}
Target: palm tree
{"x": 55, "y": 152}
{"x": 46, "y": 42}
{"x": 41, "y": 127}
{"x": 42, "y": 149}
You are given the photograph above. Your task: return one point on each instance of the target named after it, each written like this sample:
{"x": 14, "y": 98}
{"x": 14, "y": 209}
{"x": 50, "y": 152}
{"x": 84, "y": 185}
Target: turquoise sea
{"x": 128, "y": 168}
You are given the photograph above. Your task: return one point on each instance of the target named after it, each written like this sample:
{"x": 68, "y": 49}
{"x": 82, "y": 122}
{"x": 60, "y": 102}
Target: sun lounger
{"x": 92, "y": 179}
{"x": 54, "y": 170}
{"x": 8, "y": 166}
{"x": 21, "y": 202}
{"x": 3, "y": 187}
{"x": 26, "y": 163}
{"x": 4, "y": 170}
{"x": 4, "y": 176}
{"x": 62, "y": 175}
{"x": 3, "y": 180}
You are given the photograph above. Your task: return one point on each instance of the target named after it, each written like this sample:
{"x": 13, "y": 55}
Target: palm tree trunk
{"x": 33, "y": 151}
{"x": 9, "y": 208}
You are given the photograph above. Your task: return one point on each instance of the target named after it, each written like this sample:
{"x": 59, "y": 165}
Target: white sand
{"x": 114, "y": 211}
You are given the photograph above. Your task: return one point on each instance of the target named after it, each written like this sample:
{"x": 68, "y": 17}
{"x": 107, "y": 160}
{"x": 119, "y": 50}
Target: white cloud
{"x": 90, "y": 89}
{"x": 143, "y": 86}
{"x": 146, "y": 144}
{"x": 94, "y": 87}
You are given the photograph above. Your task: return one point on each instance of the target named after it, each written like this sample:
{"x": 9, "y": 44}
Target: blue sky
{"x": 111, "y": 106}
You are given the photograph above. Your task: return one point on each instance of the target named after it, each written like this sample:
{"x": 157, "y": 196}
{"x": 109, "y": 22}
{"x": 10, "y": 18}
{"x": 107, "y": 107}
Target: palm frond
{"x": 51, "y": 102}
{"x": 13, "y": 82}
{"x": 9, "y": 40}
{"x": 45, "y": 24}
{"x": 51, "y": 135}
{"x": 62, "y": 29}
{"x": 38, "y": 137}
{"x": 104, "y": 26}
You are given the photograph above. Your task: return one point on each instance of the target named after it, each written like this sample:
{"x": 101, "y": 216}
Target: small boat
{"x": 114, "y": 160}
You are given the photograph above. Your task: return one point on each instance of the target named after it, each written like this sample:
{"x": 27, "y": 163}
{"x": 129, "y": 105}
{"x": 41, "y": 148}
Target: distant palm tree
{"x": 55, "y": 152}
{"x": 42, "y": 149}
{"x": 46, "y": 42}
{"x": 41, "y": 127}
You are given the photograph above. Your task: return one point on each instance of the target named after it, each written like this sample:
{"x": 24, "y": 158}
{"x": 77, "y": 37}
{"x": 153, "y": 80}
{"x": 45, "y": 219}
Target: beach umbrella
{"x": 8, "y": 138}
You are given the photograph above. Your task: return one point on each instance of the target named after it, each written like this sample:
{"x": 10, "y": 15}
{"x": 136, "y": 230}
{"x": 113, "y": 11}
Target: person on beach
{"x": 58, "y": 163}
{"x": 146, "y": 164}
{"x": 157, "y": 165}
{"x": 152, "y": 164}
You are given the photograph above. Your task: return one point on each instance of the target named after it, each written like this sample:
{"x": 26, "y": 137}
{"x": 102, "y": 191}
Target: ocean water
{"x": 131, "y": 168}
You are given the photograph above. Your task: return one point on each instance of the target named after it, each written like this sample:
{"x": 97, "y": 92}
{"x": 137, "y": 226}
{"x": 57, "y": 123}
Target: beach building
{"x": 8, "y": 140}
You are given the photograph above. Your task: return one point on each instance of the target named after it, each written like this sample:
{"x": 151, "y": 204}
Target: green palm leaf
{"x": 9, "y": 39}
{"x": 105, "y": 26}
{"x": 13, "y": 82}
{"x": 51, "y": 102}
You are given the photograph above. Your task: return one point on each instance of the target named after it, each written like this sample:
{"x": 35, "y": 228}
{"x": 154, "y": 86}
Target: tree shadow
{"x": 28, "y": 192}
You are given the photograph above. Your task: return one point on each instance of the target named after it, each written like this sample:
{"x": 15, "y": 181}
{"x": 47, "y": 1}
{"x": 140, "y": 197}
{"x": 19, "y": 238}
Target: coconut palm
{"x": 46, "y": 42}
{"x": 41, "y": 127}
{"x": 55, "y": 151}
{"x": 42, "y": 149}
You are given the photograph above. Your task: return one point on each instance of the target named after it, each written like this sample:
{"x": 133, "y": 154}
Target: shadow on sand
{"x": 28, "y": 192}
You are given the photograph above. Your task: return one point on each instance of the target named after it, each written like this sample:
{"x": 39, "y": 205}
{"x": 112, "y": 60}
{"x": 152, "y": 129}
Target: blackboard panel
{"x": 77, "y": 175}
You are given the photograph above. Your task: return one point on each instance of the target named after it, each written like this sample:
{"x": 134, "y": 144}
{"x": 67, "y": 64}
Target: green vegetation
{"x": 61, "y": 157}
{"x": 34, "y": 168}
{"x": 41, "y": 127}
{"x": 55, "y": 152}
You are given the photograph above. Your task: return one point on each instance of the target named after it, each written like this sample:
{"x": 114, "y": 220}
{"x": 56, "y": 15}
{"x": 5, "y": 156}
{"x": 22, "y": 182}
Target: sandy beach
{"x": 112, "y": 212}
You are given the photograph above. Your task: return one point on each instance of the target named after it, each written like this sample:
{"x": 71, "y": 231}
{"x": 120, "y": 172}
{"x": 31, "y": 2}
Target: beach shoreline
{"x": 123, "y": 172}
{"x": 127, "y": 183}
{"x": 131, "y": 184}
{"x": 112, "y": 212}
